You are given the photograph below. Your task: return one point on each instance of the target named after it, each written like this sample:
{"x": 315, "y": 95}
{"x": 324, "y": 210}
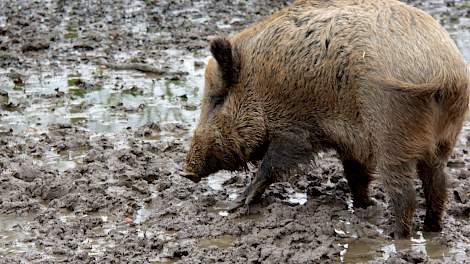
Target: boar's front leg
{"x": 255, "y": 189}
{"x": 359, "y": 177}
{"x": 286, "y": 150}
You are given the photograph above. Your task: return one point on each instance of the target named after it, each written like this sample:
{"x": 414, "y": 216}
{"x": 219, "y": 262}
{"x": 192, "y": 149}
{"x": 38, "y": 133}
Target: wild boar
{"x": 380, "y": 82}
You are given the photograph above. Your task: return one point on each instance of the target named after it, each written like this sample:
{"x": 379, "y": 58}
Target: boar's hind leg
{"x": 358, "y": 177}
{"x": 434, "y": 179}
{"x": 435, "y": 192}
{"x": 398, "y": 183}
{"x": 286, "y": 150}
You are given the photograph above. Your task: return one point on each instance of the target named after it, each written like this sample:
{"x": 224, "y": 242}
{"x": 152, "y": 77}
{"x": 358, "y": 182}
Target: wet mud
{"x": 97, "y": 102}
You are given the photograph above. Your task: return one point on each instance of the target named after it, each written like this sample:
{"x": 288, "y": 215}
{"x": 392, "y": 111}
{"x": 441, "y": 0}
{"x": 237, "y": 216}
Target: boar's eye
{"x": 216, "y": 101}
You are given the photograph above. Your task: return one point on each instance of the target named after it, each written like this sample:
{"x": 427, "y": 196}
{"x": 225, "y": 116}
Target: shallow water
{"x": 224, "y": 241}
{"x": 363, "y": 250}
{"x": 15, "y": 236}
{"x": 102, "y": 100}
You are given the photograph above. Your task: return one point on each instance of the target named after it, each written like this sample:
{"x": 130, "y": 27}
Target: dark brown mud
{"x": 91, "y": 148}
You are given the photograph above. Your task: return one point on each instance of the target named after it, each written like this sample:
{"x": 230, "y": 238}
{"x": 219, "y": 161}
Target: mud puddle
{"x": 80, "y": 105}
{"x": 15, "y": 236}
{"x": 102, "y": 100}
{"x": 365, "y": 250}
{"x": 218, "y": 242}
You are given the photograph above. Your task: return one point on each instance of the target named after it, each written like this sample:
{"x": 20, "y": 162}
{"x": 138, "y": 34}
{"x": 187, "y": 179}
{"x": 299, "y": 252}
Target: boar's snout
{"x": 198, "y": 167}
{"x": 200, "y": 162}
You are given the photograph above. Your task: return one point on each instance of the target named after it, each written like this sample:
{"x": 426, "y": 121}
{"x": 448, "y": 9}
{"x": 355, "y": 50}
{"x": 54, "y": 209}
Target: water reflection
{"x": 15, "y": 238}
{"x": 102, "y": 100}
{"x": 368, "y": 249}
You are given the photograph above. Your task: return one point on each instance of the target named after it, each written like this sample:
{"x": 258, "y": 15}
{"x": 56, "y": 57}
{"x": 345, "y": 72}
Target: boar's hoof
{"x": 401, "y": 233}
{"x": 432, "y": 226}
{"x": 237, "y": 203}
{"x": 251, "y": 195}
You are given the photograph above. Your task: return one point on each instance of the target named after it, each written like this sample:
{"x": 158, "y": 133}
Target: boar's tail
{"x": 451, "y": 93}
{"x": 442, "y": 87}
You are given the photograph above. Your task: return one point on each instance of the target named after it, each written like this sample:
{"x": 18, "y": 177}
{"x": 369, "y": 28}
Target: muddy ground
{"x": 91, "y": 151}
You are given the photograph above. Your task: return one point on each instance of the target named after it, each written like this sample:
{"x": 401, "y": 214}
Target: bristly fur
{"x": 378, "y": 81}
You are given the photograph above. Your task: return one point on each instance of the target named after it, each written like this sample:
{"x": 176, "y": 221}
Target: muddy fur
{"x": 378, "y": 81}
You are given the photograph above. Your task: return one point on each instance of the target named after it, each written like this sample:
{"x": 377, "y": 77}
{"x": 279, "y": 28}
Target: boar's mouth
{"x": 213, "y": 165}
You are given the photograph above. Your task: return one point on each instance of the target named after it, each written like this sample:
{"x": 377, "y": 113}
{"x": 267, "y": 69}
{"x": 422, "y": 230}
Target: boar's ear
{"x": 227, "y": 58}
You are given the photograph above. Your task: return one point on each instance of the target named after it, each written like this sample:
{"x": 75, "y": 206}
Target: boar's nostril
{"x": 191, "y": 176}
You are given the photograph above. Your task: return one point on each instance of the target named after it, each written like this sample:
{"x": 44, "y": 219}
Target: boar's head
{"x": 231, "y": 131}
